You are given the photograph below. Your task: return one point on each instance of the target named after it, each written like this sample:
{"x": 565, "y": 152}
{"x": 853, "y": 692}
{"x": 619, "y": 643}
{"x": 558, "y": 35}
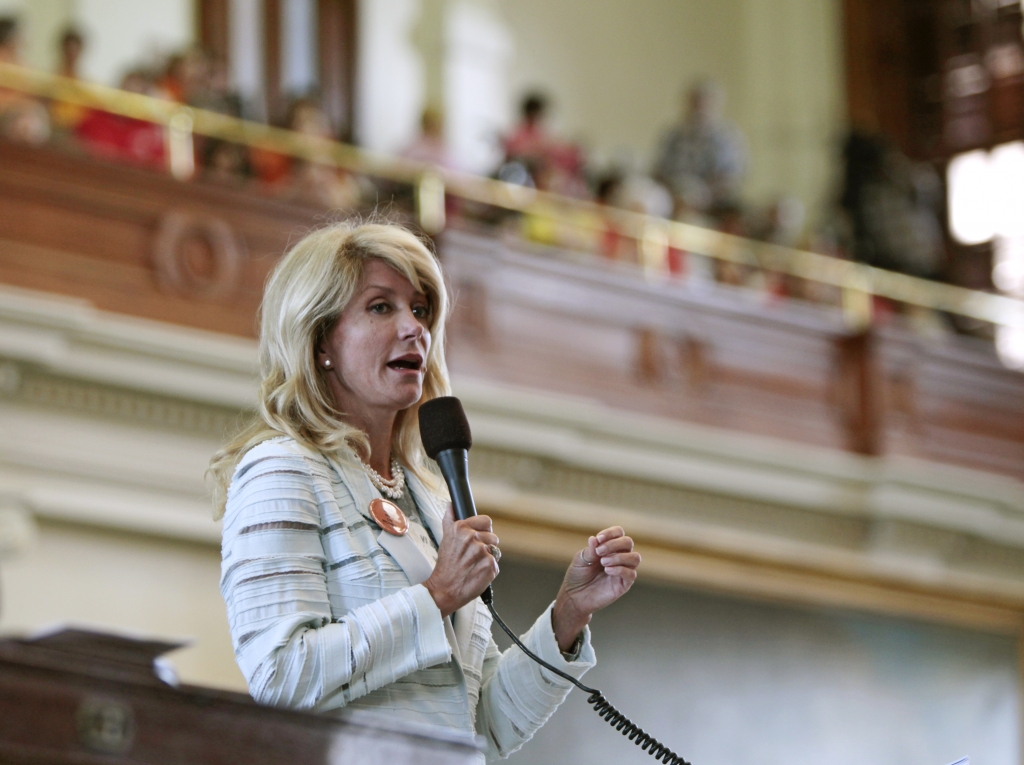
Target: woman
{"x": 327, "y": 607}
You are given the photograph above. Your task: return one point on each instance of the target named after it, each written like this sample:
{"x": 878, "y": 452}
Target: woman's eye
{"x": 379, "y": 308}
{"x": 421, "y": 312}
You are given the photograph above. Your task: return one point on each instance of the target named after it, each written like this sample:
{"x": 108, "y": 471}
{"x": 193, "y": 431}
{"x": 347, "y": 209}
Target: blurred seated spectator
{"x": 702, "y": 159}
{"x": 66, "y": 116}
{"x": 893, "y": 206}
{"x": 731, "y": 221}
{"x": 214, "y": 92}
{"x": 529, "y": 143}
{"x": 224, "y": 162}
{"x": 317, "y": 180}
{"x": 639, "y": 194}
{"x": 613, "y": 243}
{"x": 429, "y": 146}
{"x": 22, "y": 118}
{"x": 71, "y": 46}
{"x": 124, "y": 139}
{"x": 171, "y": 83}
{"x": 782, "y": 223}
{"x": 271, "y": 169}
{"x": 311, "y": 180}
{"x": 186, "y": 79}
{"x": 550, "y": 164}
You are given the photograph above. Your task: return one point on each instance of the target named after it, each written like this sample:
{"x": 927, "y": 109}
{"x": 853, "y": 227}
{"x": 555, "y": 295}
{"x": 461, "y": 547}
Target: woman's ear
{"x": 322, "y": 359}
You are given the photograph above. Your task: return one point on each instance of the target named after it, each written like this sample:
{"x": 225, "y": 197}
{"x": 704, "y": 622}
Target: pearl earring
{"x": 327, "y": 363}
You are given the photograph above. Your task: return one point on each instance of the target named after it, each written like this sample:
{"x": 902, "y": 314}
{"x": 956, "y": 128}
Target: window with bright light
{"x": 986, "y": 194}
{"x": 986, "y": 204}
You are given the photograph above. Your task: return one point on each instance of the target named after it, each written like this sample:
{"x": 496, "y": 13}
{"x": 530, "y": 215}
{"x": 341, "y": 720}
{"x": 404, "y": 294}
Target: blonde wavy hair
{"x": 303, "y": 299}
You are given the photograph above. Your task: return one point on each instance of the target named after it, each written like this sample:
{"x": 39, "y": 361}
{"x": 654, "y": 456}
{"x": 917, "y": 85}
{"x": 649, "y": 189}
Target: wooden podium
{"x": 85, "y": 697}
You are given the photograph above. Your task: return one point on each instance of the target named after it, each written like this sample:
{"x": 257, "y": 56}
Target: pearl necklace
{"x": 392, "y": 489}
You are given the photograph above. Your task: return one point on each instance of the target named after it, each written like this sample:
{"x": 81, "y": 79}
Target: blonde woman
{"x": 330, "y": 608}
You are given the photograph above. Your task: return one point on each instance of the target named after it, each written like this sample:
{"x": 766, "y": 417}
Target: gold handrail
{"x": 856, "y": 280}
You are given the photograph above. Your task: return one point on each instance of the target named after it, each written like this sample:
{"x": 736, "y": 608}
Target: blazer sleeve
{"x": 292, "y": 650}
{"x": 518, "y": 695}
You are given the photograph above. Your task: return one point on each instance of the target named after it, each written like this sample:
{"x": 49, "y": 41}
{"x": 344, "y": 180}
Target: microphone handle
{"x": 454, "y": 464}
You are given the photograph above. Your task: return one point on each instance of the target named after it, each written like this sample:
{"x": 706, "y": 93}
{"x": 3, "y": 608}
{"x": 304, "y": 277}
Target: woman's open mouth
{"x": 411, "y": 362}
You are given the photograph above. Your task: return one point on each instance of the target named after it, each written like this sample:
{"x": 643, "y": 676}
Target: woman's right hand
{"x": 465, "y": 565}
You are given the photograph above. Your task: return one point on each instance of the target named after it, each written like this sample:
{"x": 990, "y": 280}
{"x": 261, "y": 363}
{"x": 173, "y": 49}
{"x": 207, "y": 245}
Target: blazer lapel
{"x": 407, "y": 554}
{"x": 430, "y": 512}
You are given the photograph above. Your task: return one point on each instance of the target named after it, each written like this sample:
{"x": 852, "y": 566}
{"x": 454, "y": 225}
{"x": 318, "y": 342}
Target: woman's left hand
{"x": 599, "y": 575}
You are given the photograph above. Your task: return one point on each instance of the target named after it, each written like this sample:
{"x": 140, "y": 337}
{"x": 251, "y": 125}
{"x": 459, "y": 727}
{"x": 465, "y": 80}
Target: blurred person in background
{"x": 429, "y": 146}
{"x": 626, "y": 188}
{"x": 186, "y": 79}
{"x": 124, "y": 139}
{"x": 893, "y": 206}
{"x": 612, "y": 243}
{"x": 529, "y": 143}
{"x": 220, "y": 161}
{"x": 319, "y": 180}
{"x": 224, "y": 162}
{"x": 782, "y": 223}
{"x": 549, "y": 163}
{"x": 66, "y": 116}
{"x": 213, "y": 90}
{"x": 22, "y": 118}
{"x": 313, "y": 180}
{"x": 702, "y": 159}
{"x": 71, "y": 46}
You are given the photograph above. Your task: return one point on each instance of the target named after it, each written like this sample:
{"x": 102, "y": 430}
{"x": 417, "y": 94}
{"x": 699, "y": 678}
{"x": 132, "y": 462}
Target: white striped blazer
{"x": 327, "y": 611}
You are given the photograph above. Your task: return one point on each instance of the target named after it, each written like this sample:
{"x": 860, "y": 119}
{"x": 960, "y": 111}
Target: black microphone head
{"x": 443, "y": 425}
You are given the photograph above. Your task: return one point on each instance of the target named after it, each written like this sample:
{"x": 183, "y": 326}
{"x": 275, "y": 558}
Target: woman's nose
{"x": 409, "y": 327}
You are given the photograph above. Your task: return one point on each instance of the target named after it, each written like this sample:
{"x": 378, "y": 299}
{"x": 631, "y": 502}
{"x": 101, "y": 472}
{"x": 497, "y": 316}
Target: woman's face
{"x": 378, "y": 348}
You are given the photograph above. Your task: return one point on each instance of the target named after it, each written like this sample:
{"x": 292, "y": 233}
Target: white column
{"x": 391, "y": 87}
{"x": 477, "y": 99}
{"x": 298, "y": 47}
{"x": 245, "y": 46}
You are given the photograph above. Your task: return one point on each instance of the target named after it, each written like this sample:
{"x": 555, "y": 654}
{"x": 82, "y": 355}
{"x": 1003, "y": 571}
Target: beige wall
{"x": 728, "y": 681}
{"x": 617, "y": 70}
{"x": 119, "y": 33}
{"x": 73, "y": 574}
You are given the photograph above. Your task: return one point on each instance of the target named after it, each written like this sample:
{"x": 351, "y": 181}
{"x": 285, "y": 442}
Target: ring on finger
{"x": 495, "y": 551}
{"x": 583, "y": 557}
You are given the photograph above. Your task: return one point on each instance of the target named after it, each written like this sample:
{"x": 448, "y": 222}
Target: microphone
{"x": 447, "y": 440}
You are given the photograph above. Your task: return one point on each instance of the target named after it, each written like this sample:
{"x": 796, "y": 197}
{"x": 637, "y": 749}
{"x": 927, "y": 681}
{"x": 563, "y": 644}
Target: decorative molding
{"x": 179, "y": 234}
{"x": 35, "y": 388}
{"x": 70, "y": 338}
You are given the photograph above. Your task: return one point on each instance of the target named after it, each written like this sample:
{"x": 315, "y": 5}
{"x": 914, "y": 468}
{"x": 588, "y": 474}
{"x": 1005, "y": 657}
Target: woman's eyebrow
{"x": 379, "y": 288}
{"x": 390, "y": 291}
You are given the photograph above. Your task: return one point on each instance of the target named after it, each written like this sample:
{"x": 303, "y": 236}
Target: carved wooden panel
{"x": 138, "y": 242}
{"x": 714, "y": 355}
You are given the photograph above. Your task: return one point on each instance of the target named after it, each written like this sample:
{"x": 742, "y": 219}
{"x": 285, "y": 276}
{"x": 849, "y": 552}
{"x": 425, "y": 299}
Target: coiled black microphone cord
{"x": 600, "y": 704}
